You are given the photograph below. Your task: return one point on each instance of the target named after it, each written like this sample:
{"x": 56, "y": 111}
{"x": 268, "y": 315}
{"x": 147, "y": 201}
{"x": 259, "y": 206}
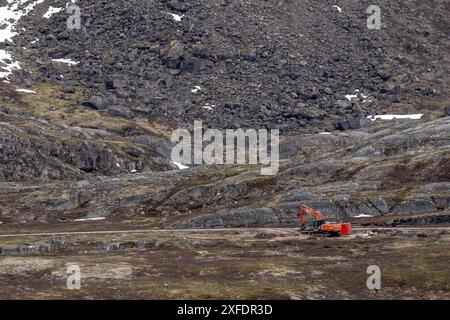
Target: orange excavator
{"x": 322, "y": 227}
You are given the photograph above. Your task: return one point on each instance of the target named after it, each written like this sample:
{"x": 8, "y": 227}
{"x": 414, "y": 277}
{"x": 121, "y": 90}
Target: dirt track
{"x": 358, "y": 229}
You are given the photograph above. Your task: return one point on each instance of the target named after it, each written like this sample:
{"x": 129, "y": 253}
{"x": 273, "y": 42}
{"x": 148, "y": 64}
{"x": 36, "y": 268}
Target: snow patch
{"x": 357, "y": 94}
{"x": 8, "y": 64}
{"x": 51, "y": 10}
{"x": 25, "y": 90}
{"x": 396, "y": 116}
{"x": 176, "y": 17}
{"x": 350, "y": 97}
{"x": 9, "y": 15}
{"x": 363, "y": 216}
{"x": 66, "y": 61}
{"x": 90, "y": 219}
{"x": 196, "y": 89}
{"x": 325, "y": 133}
{"x": 180, "y": 166}
{"x": 338, "y": 8}
{"x": 209, "y": 107}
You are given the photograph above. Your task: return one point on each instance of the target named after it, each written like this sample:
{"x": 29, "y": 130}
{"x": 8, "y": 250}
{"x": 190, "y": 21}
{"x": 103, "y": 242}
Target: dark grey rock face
{"x": 349, "y": 124}
{"x": 25, "y": 249}
{"x": 233, "y": 219}
{"x": 299, "y": 195}
{"x": 171, "y": 55}
{"x": 96, "y": 102}
{"x": 415, "y": 206}
{"x": 447, "y": 111}
{"x": 49, "y": 152}
{"x": 120, "y": 111}
{"x": 111, "y": 246}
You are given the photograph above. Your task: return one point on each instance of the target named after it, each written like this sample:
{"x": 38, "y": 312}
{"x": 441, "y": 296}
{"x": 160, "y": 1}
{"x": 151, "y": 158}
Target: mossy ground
{"x": 233, "y": 265}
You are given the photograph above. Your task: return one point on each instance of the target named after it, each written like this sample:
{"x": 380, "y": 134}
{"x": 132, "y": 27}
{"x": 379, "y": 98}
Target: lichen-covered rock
{"x": 415, "y": 206}
{"x": 232, "y": 219}
{"x": 25, "y": 249}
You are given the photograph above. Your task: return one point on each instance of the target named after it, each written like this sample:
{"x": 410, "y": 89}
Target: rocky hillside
{"x": 398, "y": 168}
{"x": 284, "y": 64}
{"x": 86, "y": 115}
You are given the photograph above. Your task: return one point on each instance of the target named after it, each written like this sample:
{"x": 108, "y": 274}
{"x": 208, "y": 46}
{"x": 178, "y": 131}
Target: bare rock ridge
{"x": 406, "y": 175}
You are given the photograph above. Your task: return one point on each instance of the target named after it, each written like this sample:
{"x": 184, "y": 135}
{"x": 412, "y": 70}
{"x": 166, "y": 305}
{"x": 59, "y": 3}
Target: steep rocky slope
{"x": 396, "y": 169}
{"x": 86, "y": 134}
{"x": 284, "y": 64}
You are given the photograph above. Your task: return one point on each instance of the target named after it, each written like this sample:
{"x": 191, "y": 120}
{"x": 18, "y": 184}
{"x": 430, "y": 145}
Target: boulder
{"x": 119, "y": 111}
{"x": 177, "y": 6}
{"x": 348, "y": 124}
{"x": 171, "y": 55}
{"x": 96, "y": 103}
{"x": 447, "y": 111}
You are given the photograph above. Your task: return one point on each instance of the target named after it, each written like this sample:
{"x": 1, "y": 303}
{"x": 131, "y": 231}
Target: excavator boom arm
{"x": 304, "y": 211}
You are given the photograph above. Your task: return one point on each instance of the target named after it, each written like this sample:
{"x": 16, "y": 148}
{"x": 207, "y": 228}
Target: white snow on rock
{"x": 176, "y": 17}
{"x": 338, "y": 8}
{"x": 9, "y": 64}
{"x": 396, "y": 116}
{"x": 363, "y": 216}
{"x": 66, "y": 61}
{"x": 180, "y": 166}
{"x": 90, "y": 219}
{"x": 9, "y": 15}
{"x": 350, "y": 97}
{"x": 196, "y": 89}
{"x": 25, "y": 90}
{"x": 325, "y": 133}
{"x": 209, "y": 107}
{"x": 51, "y": 10}
{"x": 357, "y": 95}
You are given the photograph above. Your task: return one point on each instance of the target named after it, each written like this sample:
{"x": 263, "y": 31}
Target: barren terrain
{"x": 87, "y": 177}
{"x": 234, "y": 264}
